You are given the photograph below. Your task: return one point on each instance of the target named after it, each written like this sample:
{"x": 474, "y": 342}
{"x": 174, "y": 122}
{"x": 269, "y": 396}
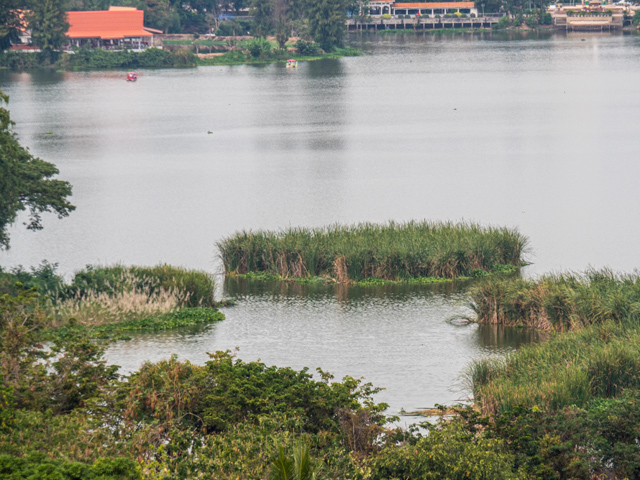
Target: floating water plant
{"x": 391, "y": 251}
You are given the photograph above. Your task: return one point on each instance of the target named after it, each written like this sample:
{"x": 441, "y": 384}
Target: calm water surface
{"x": 540, "y": 133}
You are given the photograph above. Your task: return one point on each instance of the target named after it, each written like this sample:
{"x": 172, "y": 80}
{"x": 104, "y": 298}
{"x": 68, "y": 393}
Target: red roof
{"x": 435, "y": 5}
{"x": 107, "y": 25}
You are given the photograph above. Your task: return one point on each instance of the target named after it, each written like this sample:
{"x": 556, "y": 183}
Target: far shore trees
{"x": 49, "y": 26}
{"x": 327, "y": 22}
{"x": 26, "y": 182}
{"x": 9, "y": 23}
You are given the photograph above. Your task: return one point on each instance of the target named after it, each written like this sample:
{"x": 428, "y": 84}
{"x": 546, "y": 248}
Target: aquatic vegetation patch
{"x": 600, "y": 361}
{"x": 192, "y": 288}
{"x": 392, "y": 251}
{"x": 563, "y": 302}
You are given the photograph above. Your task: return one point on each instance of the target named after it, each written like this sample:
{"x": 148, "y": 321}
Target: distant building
{"x": 388, "y": 7}
{"x": 116, "y": 28}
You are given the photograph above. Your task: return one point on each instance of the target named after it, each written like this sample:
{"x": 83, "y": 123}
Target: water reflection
{"x": 499, "y": 339}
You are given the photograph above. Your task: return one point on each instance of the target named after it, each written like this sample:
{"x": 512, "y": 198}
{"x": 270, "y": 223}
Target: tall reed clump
{"x": 129, "y": 299}
{"x": 192, "y": 288}
{"x": 599, "y": 361}
{"x": 390, "y": 251}
{"x": 562, "y": 302}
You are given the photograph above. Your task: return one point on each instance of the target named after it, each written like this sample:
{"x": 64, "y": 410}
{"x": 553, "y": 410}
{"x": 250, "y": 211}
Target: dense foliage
{"x": 66, "y": 414}
{"x": 48, "y": 24}
{"x": 26, "y": 182}
{"x": 392, "y": 251}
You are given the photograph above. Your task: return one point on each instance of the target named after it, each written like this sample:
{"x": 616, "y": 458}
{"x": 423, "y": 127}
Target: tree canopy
{"x": 49, "y": 26}
{"x": 26, "y": 182}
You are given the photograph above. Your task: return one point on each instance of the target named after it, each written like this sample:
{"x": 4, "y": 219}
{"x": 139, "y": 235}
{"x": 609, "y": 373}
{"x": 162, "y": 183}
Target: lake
{"x": 538, "y": 132}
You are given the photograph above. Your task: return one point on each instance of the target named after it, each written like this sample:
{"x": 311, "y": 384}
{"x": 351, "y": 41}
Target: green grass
{"x": 571, "y": 369}
{"x": 392, "y": 251}
{"x": 559, "y": 302}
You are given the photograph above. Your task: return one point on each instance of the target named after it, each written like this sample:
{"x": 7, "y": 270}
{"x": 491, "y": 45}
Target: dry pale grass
{"x": 134, "y": 301}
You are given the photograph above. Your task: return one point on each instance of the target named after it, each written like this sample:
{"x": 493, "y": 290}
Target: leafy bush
{"x": 259, "y": 47}
{"x": 44, "y": 277}
{"x": 532, "y": 21}
{"x": 636, "y": 17}
{"x": 503, "y": 23}
{"x": 450, "y": 452}
{"x": 235, "y": 391}
{"x": 308, "y": 49}
{"x": 517, "y": 20}
{"x": 36, "y": 465}
{"x": 546, "y": 18}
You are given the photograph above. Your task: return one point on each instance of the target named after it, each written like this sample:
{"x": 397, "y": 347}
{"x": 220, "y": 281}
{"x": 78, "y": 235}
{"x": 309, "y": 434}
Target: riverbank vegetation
{"x": 119, "y": 298}
{"x": 258, "y": 51}
{"x": 393, "y": 251}
{"x": 562, "y": 302}
{"x": 66, "y": 414}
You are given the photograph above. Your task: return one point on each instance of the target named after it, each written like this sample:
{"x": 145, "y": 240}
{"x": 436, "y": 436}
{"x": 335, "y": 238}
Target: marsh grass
{"x": 570, "y": 369}
{"x": 190, "y": 288}
{"x": 129, "y": 301}
{"x": 391, "y": 251}
{"x": 562, "y": 302}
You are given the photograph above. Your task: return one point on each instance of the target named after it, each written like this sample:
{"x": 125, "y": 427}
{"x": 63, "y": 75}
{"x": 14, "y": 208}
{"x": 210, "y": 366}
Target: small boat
{"x": 132, "y": 76}
{"x": 292, "y": 63}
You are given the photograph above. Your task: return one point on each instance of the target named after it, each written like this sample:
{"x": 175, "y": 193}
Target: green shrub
{"x": 227, "y": 391}
{"x": 36, "y": 465}
{"x": 449, "y": 452}
{"x": 503, "y": 23}
{"x": 517, "y": 20}
{"x": 532, "y": 21}
{"x": 308, "y": 49}
{"x": 259, "y": 47}
{"x": 44, "y": 277}
{"x": 636, "y": 17}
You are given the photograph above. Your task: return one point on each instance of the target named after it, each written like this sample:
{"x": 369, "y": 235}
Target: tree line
{"x": 322, "y": 21}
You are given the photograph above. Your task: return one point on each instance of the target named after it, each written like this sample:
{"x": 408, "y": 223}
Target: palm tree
{"x": 300, "y": 467}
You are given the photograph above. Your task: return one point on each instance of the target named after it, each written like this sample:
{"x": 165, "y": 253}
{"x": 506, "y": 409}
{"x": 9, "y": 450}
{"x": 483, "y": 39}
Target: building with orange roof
{"x": 393, "y": 8}
{"x": 118, "y": 27}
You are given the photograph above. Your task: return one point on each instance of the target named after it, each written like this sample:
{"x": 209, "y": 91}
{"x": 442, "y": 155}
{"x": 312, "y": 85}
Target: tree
{"x": 327, "y": 22}
{"x": 9, "y": 23}
{"x": 49, "y": 26}
{"x": 263, "y": 16}
{"x": 26, "y": 182}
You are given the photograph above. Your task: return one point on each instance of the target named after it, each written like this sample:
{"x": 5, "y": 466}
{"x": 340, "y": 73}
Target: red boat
{"x": 132, "y": 76}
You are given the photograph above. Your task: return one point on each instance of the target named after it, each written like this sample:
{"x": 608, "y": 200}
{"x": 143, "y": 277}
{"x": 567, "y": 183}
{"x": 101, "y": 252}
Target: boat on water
{"x": 132, "y": 76}
{"x": 292, "y": 63}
